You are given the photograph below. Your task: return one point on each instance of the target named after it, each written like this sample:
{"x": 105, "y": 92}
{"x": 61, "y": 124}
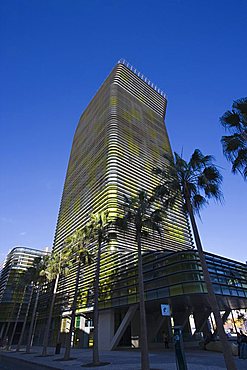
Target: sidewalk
{"x": 119, "y": 360}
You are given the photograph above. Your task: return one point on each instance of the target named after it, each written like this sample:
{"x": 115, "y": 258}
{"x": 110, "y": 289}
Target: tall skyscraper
{"x": 120, "y": 138}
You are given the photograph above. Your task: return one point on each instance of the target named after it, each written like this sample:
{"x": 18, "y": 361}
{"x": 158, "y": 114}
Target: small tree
{"x": 140, "y": 211}
{"x": 58, "y": 264}
{"x": 235, "y": 145}
{"x": 195, "y": 182}
{"x": 79, "y": 254}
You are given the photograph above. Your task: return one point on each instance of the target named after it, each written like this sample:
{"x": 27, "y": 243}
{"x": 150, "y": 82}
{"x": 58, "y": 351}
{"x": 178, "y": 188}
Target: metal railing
{"x": 145, "y": 79}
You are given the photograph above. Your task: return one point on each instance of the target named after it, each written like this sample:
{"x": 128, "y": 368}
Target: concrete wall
{"x": 106, "y": 329}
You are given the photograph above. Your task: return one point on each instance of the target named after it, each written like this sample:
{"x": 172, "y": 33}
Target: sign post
{"x": 179, "y": 349}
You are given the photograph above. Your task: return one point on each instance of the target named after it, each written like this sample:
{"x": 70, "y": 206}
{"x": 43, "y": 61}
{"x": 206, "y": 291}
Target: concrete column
{"x": 123, "y": 326}
{"x": 2, "y": 329}
{"x": 155, "y": 324}
{"x": 201, "y": 322}
{"x": 106, "y": 329}
{"x": 182, "y": 319}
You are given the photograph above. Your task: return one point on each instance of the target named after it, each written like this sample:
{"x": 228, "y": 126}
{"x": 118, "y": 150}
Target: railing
{"x": 145, "y": 79}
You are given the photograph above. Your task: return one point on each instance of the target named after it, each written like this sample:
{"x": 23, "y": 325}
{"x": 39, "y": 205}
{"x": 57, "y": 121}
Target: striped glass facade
{"x": 16, "y": 263}
{"x": 120, "y": 138}
{"x": 172, "y": 275}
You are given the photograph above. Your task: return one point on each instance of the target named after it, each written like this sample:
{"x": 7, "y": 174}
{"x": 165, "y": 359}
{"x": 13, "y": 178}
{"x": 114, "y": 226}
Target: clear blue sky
{"x": 54, "y": 56}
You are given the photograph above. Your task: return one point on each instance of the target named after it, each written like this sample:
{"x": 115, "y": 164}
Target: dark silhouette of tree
{"x": 58, "y": 264}
{"x": 23, "y": 284}
{"x": 98, "y": 227}
{"x": 140, "y": 211}
{"x": 77, "y": 245}
{"x": 235, "y": 145}
{"x": 194, "y": 183}
{"x": 34, "y": 277}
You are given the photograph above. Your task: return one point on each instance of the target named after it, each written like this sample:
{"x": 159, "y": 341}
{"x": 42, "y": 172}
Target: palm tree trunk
{"x": 25, "y": 321}
{"x": 143, "y": 323}
{"x": 29, "y": 339}
{"x": 96, "y": 309}
{"x": 227, "y": 352}
{"x": 72, "y": 321}
{"x": 5, "y": 337}
{"x": 47, "y": 328}
{"x": 17, "y": 317}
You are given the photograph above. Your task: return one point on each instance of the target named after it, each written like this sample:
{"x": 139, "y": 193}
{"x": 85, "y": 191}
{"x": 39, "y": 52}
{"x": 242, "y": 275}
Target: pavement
{"x": 118, "y": 360}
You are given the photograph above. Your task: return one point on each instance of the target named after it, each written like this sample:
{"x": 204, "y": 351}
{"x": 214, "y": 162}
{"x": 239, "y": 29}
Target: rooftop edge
{"x": 140, "y": 75}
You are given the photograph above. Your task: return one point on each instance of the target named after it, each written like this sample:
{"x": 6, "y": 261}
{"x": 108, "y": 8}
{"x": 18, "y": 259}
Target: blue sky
{"x": 54, "y": 56}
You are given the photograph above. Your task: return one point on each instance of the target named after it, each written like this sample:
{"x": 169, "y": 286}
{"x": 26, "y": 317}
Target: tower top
{"x": 140, "y": 75}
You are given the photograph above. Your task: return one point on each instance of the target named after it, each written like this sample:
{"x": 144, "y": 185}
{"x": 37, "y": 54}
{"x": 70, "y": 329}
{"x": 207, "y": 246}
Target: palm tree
{"x": 235, "y": 145}
{"x": 98, "y": 227}
{"x": 38, "y": 279}
{"x": 25, "y": 286}
{"x": 15, "y": 286}
{"x": 77, "y": 244}
{"x": 32, "y": 276}
{"x": 140, "y": 211}
{"x": 58, "y": 264}
{"x": 195, "y": 182}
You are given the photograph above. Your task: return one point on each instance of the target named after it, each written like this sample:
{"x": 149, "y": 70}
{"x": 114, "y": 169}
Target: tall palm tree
{"x": 140, "y": 211}
{"x": 58, "y": 264}
{"x": 17, "y": 291}
{"x": 235, "y": 145}
{"x": 32, "y": 276}
{"x": 195, "y": 182}
{"x": 24, "y": 286}
{"x": 79, "y": 254}
{"x": 98, "y": 227}
{"x": 24, "y": 293}
{"x": 38, "y": 279}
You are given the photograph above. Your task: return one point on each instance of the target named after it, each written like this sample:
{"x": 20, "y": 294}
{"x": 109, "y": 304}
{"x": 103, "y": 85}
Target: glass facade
{"x": 120, "y": 138}
{"x": 11, "y": 292}
{"x": 168, "y": 275}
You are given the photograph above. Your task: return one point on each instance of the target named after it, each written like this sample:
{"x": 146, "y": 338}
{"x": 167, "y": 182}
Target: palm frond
{"x": 140, "y": 211}
{"x": 180, "y": 163}
{"x": 122, "y": 222}
{"x": 199, "y": 161}
{"x": 213, "y": 191}
{"x": 210, "y": 175}
{"x": 158, "y": 171}
{"x": 162, "y": 191}
{"x": 235, "y": 145}
{"x": 195, "y": 181}
{"x": 232, "y": 143}
{"x": 169, "y": 158}
{"x": 230, "y": 120}
{"x": 240, "y": 105}
{"x": 240, "y": 163}
{"x": 245, "y": 172}
{"x": 198, "y": 202}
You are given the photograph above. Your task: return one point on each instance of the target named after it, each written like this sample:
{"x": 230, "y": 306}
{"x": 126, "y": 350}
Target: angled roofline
{"x": 140, "y": 75}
